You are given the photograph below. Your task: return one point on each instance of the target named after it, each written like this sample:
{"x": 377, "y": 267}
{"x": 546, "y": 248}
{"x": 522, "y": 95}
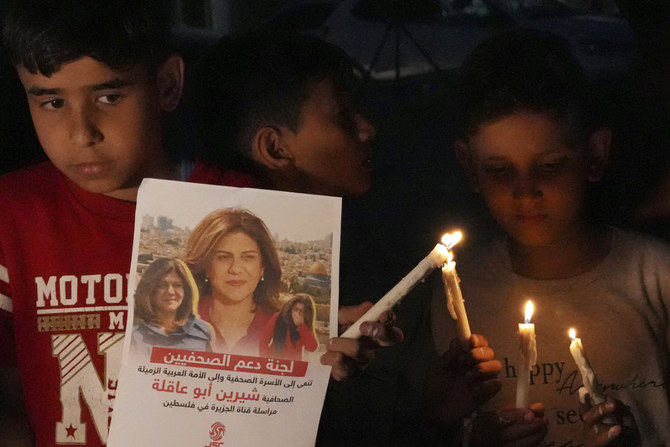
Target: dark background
{"x": 418, "y": 190}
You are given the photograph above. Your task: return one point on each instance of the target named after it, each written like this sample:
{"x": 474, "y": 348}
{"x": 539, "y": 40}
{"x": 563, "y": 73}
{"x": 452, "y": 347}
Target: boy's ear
{"x": 268, "y": 148}
{"x": 600, "y": 144}
{"x": 170, "y": 82}
{"x": 465, "y": 160}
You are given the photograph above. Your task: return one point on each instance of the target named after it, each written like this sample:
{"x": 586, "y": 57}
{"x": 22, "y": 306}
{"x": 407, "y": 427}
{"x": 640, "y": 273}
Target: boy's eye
{"x": 53, "y": 104}
{"x": 497, "y": 170}
{"x": 111, "y": 98}
{"x": 553, "y": 165}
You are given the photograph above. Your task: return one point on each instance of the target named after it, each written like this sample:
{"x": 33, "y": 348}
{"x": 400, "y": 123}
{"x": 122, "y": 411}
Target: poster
{"x": 232, "y": 293}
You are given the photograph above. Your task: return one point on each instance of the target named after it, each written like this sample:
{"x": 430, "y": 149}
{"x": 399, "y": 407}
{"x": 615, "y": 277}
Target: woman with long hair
{"x": 235, "y": 264}
{"x": 164, "y": 301}
{"x": 290, "y": 330}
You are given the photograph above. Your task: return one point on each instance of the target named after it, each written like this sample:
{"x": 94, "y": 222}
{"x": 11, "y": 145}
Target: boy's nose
{"x": 83, "y": 130}
{"x": 366, "y": 130}
{"x": 526, "y": 188}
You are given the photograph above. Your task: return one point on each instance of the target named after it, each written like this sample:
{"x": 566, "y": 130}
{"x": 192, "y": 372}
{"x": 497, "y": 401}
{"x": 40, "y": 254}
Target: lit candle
{"x": 436, "y": 257}
{"x": 455, "y": 302}
{"x": 589, "y": 379}
{"x": 527, "y": 357}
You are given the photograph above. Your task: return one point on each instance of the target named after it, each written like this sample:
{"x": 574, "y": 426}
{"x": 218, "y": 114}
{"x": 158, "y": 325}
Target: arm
{"x": 347, "y": 355}
{"x": 462, "y": 379}
{"x": 308, "y": 338}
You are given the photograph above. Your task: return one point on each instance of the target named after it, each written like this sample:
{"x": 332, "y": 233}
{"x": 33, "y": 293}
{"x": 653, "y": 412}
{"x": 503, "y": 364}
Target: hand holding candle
{"x": 455, "y": 302}
{"x": 436, "y": 257}
{"x": 527, "y": 357}
{"x": 589, "y": 379}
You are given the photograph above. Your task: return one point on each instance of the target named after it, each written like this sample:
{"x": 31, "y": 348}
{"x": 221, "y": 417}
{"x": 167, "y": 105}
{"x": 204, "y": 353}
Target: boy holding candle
{"x": 275, "y": 110}
{"x": 531, "y": 147}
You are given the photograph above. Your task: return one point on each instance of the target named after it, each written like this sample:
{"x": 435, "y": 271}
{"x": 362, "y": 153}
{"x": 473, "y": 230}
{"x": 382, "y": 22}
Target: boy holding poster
{"x": 531, "y": 147}
{"x": 99, "y": 77}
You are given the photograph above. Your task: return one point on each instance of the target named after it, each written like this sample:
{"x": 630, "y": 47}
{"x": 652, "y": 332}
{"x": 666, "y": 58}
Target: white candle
{"x": 436, "y": 257}
{"x": 527, "y": 357}
{"x": 589, "y": 379}
{"x": 455, "y": 302}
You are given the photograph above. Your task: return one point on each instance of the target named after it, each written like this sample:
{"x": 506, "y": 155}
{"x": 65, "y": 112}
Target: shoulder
{"x": 202, "y": 329}
{"x": 640, "y": 248}
{"x": 36, "y": 180}
{"x": 214, "y": 175}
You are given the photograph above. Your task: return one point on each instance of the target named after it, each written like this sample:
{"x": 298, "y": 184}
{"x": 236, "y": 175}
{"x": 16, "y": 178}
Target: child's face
{"x": 531, "y": 181}
{"x": 100, "y": 127}
{"x": 331, "y": 148}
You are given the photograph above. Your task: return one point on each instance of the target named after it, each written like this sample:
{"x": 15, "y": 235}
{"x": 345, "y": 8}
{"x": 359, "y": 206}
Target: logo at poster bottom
{"x": 216, "y": 433}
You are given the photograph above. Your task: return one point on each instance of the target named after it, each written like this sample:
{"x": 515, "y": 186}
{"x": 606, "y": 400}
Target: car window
{"x": 303, "y": 17}
{"x": 404, "y": 10}
{"x": 464, "y": 10}
{"x": 446, "y": 12}
{"x": 536, "y": 8}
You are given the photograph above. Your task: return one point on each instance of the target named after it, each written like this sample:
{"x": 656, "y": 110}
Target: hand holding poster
{"x": 232, "y": 294}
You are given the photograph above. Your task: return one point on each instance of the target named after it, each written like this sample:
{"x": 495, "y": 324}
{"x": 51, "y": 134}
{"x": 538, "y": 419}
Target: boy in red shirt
{"x": 98, "y": 77}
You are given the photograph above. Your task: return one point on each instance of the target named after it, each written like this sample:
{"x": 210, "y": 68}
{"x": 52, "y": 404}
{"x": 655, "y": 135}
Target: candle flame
{"x": 529, "y": 311}
{"x": 573, "y": 334}
{"x": 449, "y": 240}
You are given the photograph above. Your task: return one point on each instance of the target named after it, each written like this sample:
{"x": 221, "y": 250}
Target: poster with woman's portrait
{"x": 232, "y": 297}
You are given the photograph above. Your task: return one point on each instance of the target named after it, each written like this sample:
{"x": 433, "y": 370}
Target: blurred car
{"x": 393, "y": 39}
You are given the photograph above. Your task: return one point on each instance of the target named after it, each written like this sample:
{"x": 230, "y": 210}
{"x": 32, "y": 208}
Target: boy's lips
{"x": 92, "y": 168}
{"x": 528, "y": 218}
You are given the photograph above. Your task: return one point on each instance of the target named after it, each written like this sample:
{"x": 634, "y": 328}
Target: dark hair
{"x": 285, "y": 321}
{"x": 201, "y": 245}
{"x": 522, "y": 70}
{"x": 248, "y": 81}
{"x": 151, "y": 281}
{"x": 42, "y": 35}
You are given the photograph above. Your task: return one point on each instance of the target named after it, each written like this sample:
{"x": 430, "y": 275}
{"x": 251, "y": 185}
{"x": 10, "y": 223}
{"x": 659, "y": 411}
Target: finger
{"x": 605, "y": 435}
{"x": 489, "y": 368}
{"x": 347, "y": 346}
{"x": 537, "y": 408}
{"x": 527, "y": 432}
{"x": 382, "y": 333}
{"x": 482, "y": 353}
{"x": 477, "y": 340}
{"x": 598, "y": 414}
{"x": 341, "y": 369}
{"x": 347, "y": 315}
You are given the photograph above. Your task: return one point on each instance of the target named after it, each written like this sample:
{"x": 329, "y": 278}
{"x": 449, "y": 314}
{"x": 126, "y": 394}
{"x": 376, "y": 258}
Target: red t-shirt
{"x": 65, "y": 258}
